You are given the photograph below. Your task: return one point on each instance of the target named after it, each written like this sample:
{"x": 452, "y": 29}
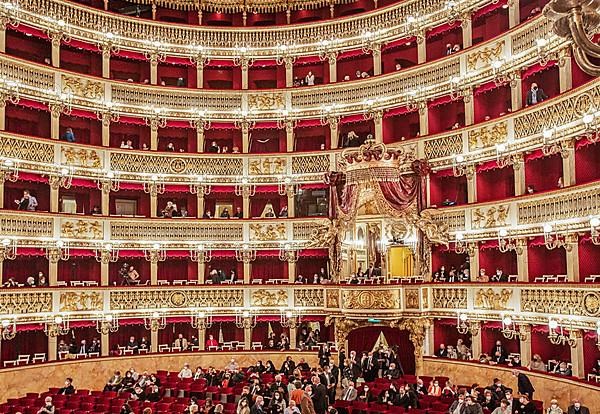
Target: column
{"x": 289, "y": 72}
{"x": 423, "y": 119}
{"x": 2, "y": 37}
{"x": 154, "y": 272}
{"x": 200, "y": 73}
{"x": 244, "y": 65}
{"x": 519, "y": 173}
{"x": 572, "y": 252}
{"x": 52, "y": 348}
{"x": 421, "y": 48}
{"x": 473, "y": 250}
{"x": 417, "y": 329}
{"x": 568, "y": 161}
{"x": 577, "y": 359}
{"x": 154, "y": 69}
{"x": 291, "y": 204}
{"x": 201, "y": 270}
{"x": 289, "y": 136}
{"x": 334, "y": 131}
{"x": 2, "y": 115}
{"x": 55, "y": 38}
{"x": 469, "y": 107}
{"x": 104, "y": 273}
{"x": 516, "y": 96}
{"x": 105, "y": 203}
{"x": 200, "y": 204}
{"x": 154, "y": 340}
{"x": 199, "y": 139}
{"x": 565, "y": 75}
{"x": 471, "y": 184}
{"x": 153, "y": 136}
{"x": 247, "y": 272}
{"x": 202, "y": 339}
{"x": 332, "y": 59}
{"x": 105, "y": 134}
{"x": 1, "y": 192}
{"x": 53, "y": 269}
{"x": 293, "y": 335}
{"x": 246, "y": 205}
{"x": 54, "y": 198}
{"x": 514, "y": 17}
{"x": 106, "y": 62}
{"x": 476, "y": 346}
{"x": 376, "y": 59}
{"x": 153, "y": 204}
{"x": 291, "y": 272}
{"x": 428, "y": 346}
{"x": 522, "y": 260}
{"x": 104, "y": 344}
{"x": 467, "y": 31}
{"x": 55, "y": 111}
{"x": 378, "y": 121}
{"x": 247, "y": 333}
{"x": 245, "y": 137}
{"x": 525, "y": 344}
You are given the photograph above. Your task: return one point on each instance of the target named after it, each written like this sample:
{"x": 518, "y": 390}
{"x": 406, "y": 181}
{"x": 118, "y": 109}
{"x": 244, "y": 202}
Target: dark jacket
{"x": 524, "y": 385}
{"x": 582, "y": 410}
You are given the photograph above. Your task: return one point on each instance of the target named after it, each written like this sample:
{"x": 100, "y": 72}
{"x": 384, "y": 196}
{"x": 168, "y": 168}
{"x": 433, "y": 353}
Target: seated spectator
{"x": 144, "y": 344}
{"x": 434, "y": 389}
{"x": 185, "y": 372}
{"x": 283, "y": 213}
{"x": 207, "y": 215}
{"x": 448, "y": 49}
{"x": 125, "y": 409}
{"x": 42, "y": 282}
{"x": 211, "y": 342}
{"x": 535, "y": 95}
{"x": 170, "y": 210}
{"x": 68, "y": 389}
{"x": 563, "y": 369}
{"x": 128, "y": 382}
{"x": 483, "y": 277}
{"x": 420, "y": 388}
{"x": 577, "y": 408}
{"x": 214, "y": 148}
{"x": 48, "y": 407}
{"x": 138, "y": 394}
{"x": 69, "y": 136}
{"x": 442, "y": 352}
{"x": 524, "y": 406}
{"x": 132, "y": 344}
{"x": 398, "y": 66}
{"x": 449, "y": 389}
{"x": 114, "y": 382}
{"x": 596, "y": 368}
{"x": 11, "y": 282}
{"x": 27, "y": 203}
{"x": 458, "y": 405}
{"x": 456, "y": 48}
{"x": 462, "y": 350}
{"x": 499, "y": 276}
{"x": 181, "y": 343}
{"x": 238, "y": 213}
{"x": 537, "y": 364}
{"x": 473, "y": 407}
{"x": 225, "y": 213}
{"x": 132, "y": 275}
{"x": 63, "y": 346}
{"x": 489, "y": 402}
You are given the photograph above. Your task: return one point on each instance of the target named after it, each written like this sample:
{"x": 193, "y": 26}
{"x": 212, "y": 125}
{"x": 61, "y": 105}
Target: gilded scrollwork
{"x": 332, "y": 296}
{"x": 485, "y": 56}
{"x": 494, "y": 216}
{"x": 371, "y": 299}
{"x": 25, "y": 303}
{"x": 488, "y": 136}
{"x": 449, "y": 298}
{"x": 81, "y": 157}
{"x": 80, "y": 301}
{"x": 82, "y": 229}
{"x": 85, "y": 88}
{"x": 269, "y": 298}
{"x": 411, "y": 299}
{"x": 267, "y": 166}
{"x": 489, "y": 299}
{"x": 309, "y": 298}
{"x": 159, "y": 299}
{"x": 263, "y": 101}
{"x": 268, "y": 232}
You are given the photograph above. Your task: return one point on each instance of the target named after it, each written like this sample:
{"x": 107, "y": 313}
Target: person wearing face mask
{"x": 524, "y": 406}
{"x": 488, "y": 400}
{"x": 504, "y": 408}
{"x": 577, "y": 408}
{"x": 388, "y": 396}
{"x": 257, "y": 408}
{"x": 435, "y": 389}
{"x": 458, "y": 406}
{"x": 365, "y": 395}
{"x": 497, "y": 389}
{"x": 535, "y": 95}
{"x": 537, "y": 364}
{"x": 420, "y": 387}
{"x": 554, "y": 408}
{"x": 499, "y": 353}
{"x": 473, "y": 406}
{"x": 524, "y": 384}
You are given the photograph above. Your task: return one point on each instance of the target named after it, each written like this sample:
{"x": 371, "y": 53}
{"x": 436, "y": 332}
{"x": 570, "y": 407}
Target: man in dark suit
{"x": 524, "y": 384}
{"x": 68, "y": 389}
{"x": 442, "y": 352}
{"x": 499, "y": 353}
{"x": 257, "y": 408}
{"x": 535, "y": 95}
{"x": 577, "y": 408}
{"x": 524, "y": 406}
{"x": 369, "y": 367}
{"x": 288, "y": 367}
{"x": 499, "y": 276}
{"x": 319, "y": 396}
{"x": 497, "y": 389}
{"x": 350, "y": 393}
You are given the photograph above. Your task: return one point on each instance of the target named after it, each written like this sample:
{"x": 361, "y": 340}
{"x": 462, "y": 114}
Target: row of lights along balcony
{"x": 191, "y": 45}
{"x": 60, "y": 324}
{"x": 106, "y": 252}
{"x": 556, "y": 235}
{"x": 459, "y": 87}
{"x": 560, "y": 331}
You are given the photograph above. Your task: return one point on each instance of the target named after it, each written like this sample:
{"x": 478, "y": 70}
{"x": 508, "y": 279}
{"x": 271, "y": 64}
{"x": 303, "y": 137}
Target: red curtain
{"x": 86, "y": 198}
{"x": 139, "y": 263}
{"x": 489, "y": 22}
{"x": 259, "y": 201}
{"x": 24, "y": 266}
{"x": 269, "y": 268}
{"x": 402, "y": 126}
{"x": 543, "y": 172}
{"x": 491, "y": 258}
{"x": 587, "y": 159}
{"x": 492, "y": 103}
{"x": 175, "y": 269}
{"x": 79, "y": 269}
{"x": 142, "y": 200}
{"x": 590, "y": 352}
{"x": 27, "y": 121}
{"x": 126, "y": 69}
{"x": 171, "y": 332}
{"x": 445, "y": 332}
{"x": 348, "y": 67}
{"x": 448, "y": 258}
{"x": 404, "y": 53}
{"x": 402, "y": 194}
{"x": 363, "y": 339}
{"x": 588, "y": 259}
{"x": 546, "y": 262}
{"x": 491, "y": 334}
{"x": 579, "y": 76}
{"x": 307, "y": 267}
{"x": 546, "y": 78}
{"x": 127, "y": 329}
{"x": 495, "y": 184}
{"x": 25, "y": 343}
{"x": 442, "y": 187}
{"x": 261, "y": 331}
{"x": 439, "y": 37}
{"x": 442, "y": 117}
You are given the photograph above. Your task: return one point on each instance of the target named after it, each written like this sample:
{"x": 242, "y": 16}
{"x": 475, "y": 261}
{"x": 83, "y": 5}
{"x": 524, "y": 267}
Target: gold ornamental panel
{"x": 137, "y": 299}
{"x": 26, "y": 150}
{"x": 305, "y": 230}
{"x": 176, "y": 231}
{"x": 309, "y": 298}
{"x": 82, "y": 87}
{"x": 449, "y": 298}
{"x": 81, "y": 301}
{"x": 490, "y": 299}
{"x": 565, "y": 205}
{"x": 26, "y": 225}
{"x": 444, "y": 146}
{"x": 25, "y": 302}
{"x": 80, "y": 157}
{"x": 559, "y": 301}
{"x": 485, "y": 56}
{"x": 82, "y": 229}
{"x": 488, "y": 136}
{"x": 269, "y": 298}
{"x": 411, "y": 298}
{"x": 267, "y": 166}
{"x": 310, "y": 164}
{"x": 371, "y": 299}
{"x": 333, "y": 298}
{"x": 267, "y": 232}
{"x": 266, "y": 101}
{"x": 486, "y": 217}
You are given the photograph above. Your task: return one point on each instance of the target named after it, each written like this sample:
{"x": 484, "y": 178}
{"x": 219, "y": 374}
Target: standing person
{"x": 306, "y": 403}
{"x": 524, "y": 384}
{"x": 319, "y": 396}
{"x": 27, "y": 202}
{"x": 535, "y": 95}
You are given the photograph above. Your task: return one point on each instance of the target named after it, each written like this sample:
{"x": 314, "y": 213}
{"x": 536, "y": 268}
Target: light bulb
{"x": 507, "y": 320}
{"x": 595, "y": 222}
{"x": 503, "y": 232}
{"x": 459, "y": 158}
{"x": 460, "y": 236}
{"x": 547, "y": 228}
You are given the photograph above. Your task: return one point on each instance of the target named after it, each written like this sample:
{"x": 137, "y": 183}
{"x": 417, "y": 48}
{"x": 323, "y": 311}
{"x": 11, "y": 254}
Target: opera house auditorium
{"x": 300, "y": 206}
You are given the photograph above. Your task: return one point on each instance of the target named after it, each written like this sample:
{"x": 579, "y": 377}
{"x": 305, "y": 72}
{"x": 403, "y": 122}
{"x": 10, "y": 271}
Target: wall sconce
{"x": 453, "y": 11}
{"x": 242, "y": 58}
{"x": 415, "y": 100}
{"x": 595, "y": 230}
{"x": 201, "y": 186}
{"x": 8, "y": 250}
{"x": 326, "y": 49}
{"x": 369, "y": 42}
{"x": 60, "y": 103}
{"x": 155, "y": 322}
{"x": 155, "y": 53}
{"x": 465, "y": 326}
{"x": 290, "y": 318}
{"x": 202, "y": 319}
{"x": 155, "y": 120}
{"x": 245, "y": 254}
{"x": 287, "y": 120}
{"x": 59, "y": 250}
{"x": 200, "y": 55}
{"x": 557, "y": 336}
{"x": 284, "y": 56}
{"x": 543, "y": 51}
{"x": 507, "y": 244}
{"x": 329, "y": 116}
{"x": 10, "y": 11}
{"x": 154, "y": 186}
{"x": 107, "y": 114}
{"x": 245, "y": 189}
{"x": 106, "y": 323}
{"x": 553, "y": 239}
{"x": 413, "y": 28}
{"x": 461, "y": 245}
{"x": 106, "y": 253}
{"x": 286, "y": 186}
{"x": 110, "y": 182}
{"x": 9, "y": 170}
{"x": 287, "y": 253}
{"x": 591, "y": 127}
{"x": 109, "y": 44}
{"x": 63, "y": 177}
{"x": 157, "y": 253}
{"x": 459, "y": 166}
{"x": 57, "y": 325}
{"x": 9, "y": 90}
{"x": 460, "y": 88}
{"x": 510, "y": 331}
{"x": 244, "y": 122}
{"x": 503, "y": 157}
{"x": 8, "y": 328}
{"x": 245, "y": 319}
{"x": 548, "y": 147}
{"x": 200, "y": 254}
{"x": 501, "y": 75}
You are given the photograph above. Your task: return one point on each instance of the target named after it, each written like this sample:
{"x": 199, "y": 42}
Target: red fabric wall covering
{"x": 85, "y": 197}
{"x": 491, "y": 103}
{"x": 587, "y": 159}
{"x": 588, "y": 259}
{"x": 448, "y": 187}
{"x": 142, "y": 199}
{"x": 178, "y": 269}
{"x": 309, "y": 15}
{"x": 14, "y": 191}
{"x": 26, "y": 121}
{"x": 259, "y": 201}
{"x": 86, "y": 130}
{"x": 125, "y": 69}
{"x": 139, "y": 134}
{"x": 139, "y": 263}
{"x": 182, "y": 200}
{"x": 25, "y": 343}
{"x": 445, "y": 332}
{"x": 222, "y": 77}
{"x": 579, "y": 77}
{"x": 224, "y": 137}
{"x": 24, "y": 266}
{"x": 318, "y": 68}
{"x": 268, "y": 141}
{"x": 172, "y": 331}
{"x": 271, "y": 268}
{"x": 489, "y": 336}
{"x": 436, "y": 43}
{"x": 542, "y": 346}
{"x": 546, "y": 78}
{"x": 526, "y": 8}
{"x": 307, "y": 267}
{"x": 363, "y": 339}
{"x": 406, "y": 126}
{"x": 403, "y": 52}
{"x": 261, "y": 331}
{"x": 543, "y": 173}
{"x": 590, "y": 352}
{"x": 266, "y": 75}
{"x": 443, "y": 116}
{"x": 492, "y": 259}
{"x": 310, "y": 143}
{"x": 211, "y": 201}
{"x": 170, "y": 74}
{"x": 80, "y": 330}
{"x": 356, "y": 7}
{"x": 226, "y": 264}
{"x": 121, "y": 337}
{"x": 31, "y": 48}
{"x": 489, "y": 22}
{"x": 546, "y": 262}
{"x": 182, "y": 139}
{"x": 349, "y": 66}
{"x": 447, "y": 258}
{"x": 495, "y": 184}
{"x": 81, "y": 60}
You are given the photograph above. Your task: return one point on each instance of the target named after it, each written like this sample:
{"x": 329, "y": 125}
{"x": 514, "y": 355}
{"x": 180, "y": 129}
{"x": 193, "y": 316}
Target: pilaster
{"x": 565, "y": 74}
{"x": 201, "y": 269}
{"x": 572, "y": 252}
{"x": 54, "y": 207}
{"x": 154, "y": 272}
{"x": 476, "y": 343}
{"x": 525, "y": 344}
{"x": 291, "y": 205}
{"x": 467, "y": 31}
{"x": 378, "y": 121}
{"x": 471, "y": 184}
{"x": 245, "y": 67}
{"x": 246, "y": 206}
{"x": 154, "y": 71}
{"x": 291, "y": 272}
{"x": 153, "y": 205}
{"x": 247, "y": 272}
{"x": 104, "y": 273}
{"x": 104, "y": 344}
{"x": 519, "y": 174}
{"x": 516, "y": 96}
{"x": 423, "y": 120}
{"x": 421, "y": 49}
{"x": 568, "y": 162}
{"x": 523, "y": 260}
{"x": 577, "y": 359}
{"x": 154, "y": 341}
{"x": 202, "y": 339}
{"x": 376, "y": 60}
{"x": 289, "y": 72}
{"x": 332, "y": 59}
{"x": 52, "y": 348}
{"x": 514, "y": 16}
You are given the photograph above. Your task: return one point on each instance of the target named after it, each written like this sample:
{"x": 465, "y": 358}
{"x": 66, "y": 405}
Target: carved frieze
{"x": 487, "y": 217}
{"x": 85, "y": 88}
{"x": 266, "y": 101}
{"x": 268, "y": 232}
{"x": 411, "y": 298}
{"x": 448, "y": 298}
{"x": 81, "y": 301}
{"x": 267, "y": 165}
{"x": 82, "y": 229}
{"x": 485, "y": 56}
{"x": 488, "y": 136}
{"x": 370, "y": 299}
{"x": 309, "y": 298}
{"x": 269, "y": 298}
{"x": 490, "y": 299}
{"x": 157, "y": 299}
{"x": 81, "y": 157}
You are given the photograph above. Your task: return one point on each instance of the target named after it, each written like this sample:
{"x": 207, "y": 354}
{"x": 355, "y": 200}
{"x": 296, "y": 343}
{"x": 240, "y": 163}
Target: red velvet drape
{"x": 491, "y": 258}
{"x": 490, "y": 333}
{"x": 588, "y": 259}
{"x": 445, "y": 332}
{"x": 27, "y": 121}
{"x": 25, "y": 343}
{"x": 441, "y": 256}
{"x": 542, "y": 346}
{"x": 543, "y": 172}
{"x": 495, "y": 184}
{"x": 24, "y": 266}
{"x": 79, "y": 268}
{"x": 401, "y": 195}
{"x": 269, "y": 268}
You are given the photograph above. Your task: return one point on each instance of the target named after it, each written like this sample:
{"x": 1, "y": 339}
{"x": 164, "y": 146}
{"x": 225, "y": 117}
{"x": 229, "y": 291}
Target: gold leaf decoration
{"x": 82, "y": 87}
{"x": 370, "y": 299}
{"x": 81, "y": 229}
{"x": 266, "y": 101}
{"x": 80, "y": 301}
{"x": 81, "y": 157}
{"x": 269, "y": 298}
{"x": 494, "y": 216}
{"x": 490, "y": 300}
{"x": 267, "y": 166}
{"x": 488, "y": 136}
{"x": 268, "y": 232}
{"x": 485, "y": 56}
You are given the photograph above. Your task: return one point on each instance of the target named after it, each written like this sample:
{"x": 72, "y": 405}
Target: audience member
{"x": 28, "y": 202}
{"x": 535, "y": 95}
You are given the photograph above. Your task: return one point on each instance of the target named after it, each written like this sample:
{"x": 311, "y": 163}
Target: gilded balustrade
{"x": 525, "y": 303}
{"x": 421, "y": 83}
{"x": 91, "y": 25}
